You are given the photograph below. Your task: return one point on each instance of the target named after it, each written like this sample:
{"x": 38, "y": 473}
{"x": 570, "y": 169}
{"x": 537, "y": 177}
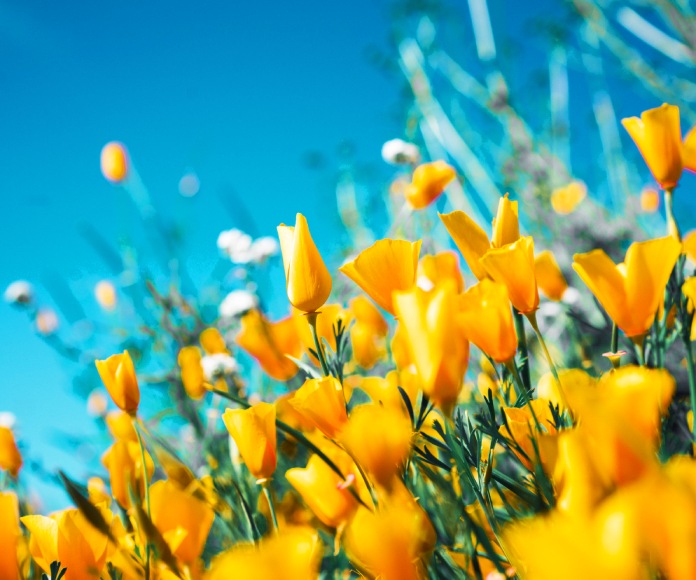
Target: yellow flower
{"x": 192, "y": 375}
{"x": 326, "y": 320}
{"x": 379, "y": 438}
{"x": 513, "y": 265}
{"x": 689, "y": 151}
{"x": 322, "y": 401}
{"x": 658, "y": 136}
{"x": 506, "y": 225}
{"x": 441, "y": 266}
{"x": 368, "y": 333}
{"x": 577, "y": 386}
{"x": 114, "y": 162}
{"x": 212, "y": 342}
{"x": 689, "y": 290}
{"x": 293, "y": 554}
{"x": 118, "y": 375}
{"x": 323, "y": 491}
{"x": 631, "y": 292}
{"x": 254, "y": 432}
{"x": 565, "y": 199}
{"x": 385, "y": 391}
{"x": 68, "y": 538}
{"x": 368, "y": 270}
{"x": 120, "y": 425}
{"x": 434, "y": 340}
{"x": 183, "y": 520}
{"x": 10, "y": 457}
{"x": 428, "y": 182}
{"x": 689, "y": 245}
{"x": 307, "y": 281}
{"x": 269, "y": 342}
{"x": 10, "y": 535}
{"x": 649, "y": 200}
{"x": 124, "y": 462}
{"x": 549, "y": 277}
{"x": 521, "y": 427}
{"x": 105, "y": 294}
{"x": 489, "y": 301}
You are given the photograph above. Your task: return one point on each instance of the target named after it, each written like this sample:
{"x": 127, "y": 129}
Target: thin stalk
{"x": 312, "y": 319}
{"x": 147, "y": 493}
{"x": 512, "y": 367}
{"x": 523, "y": 348}
{"x": 672, "y": 227}
{"x": 368, "y": 483}
{"x": 267, "y": 492}
{"x": 614, "y": 338}
{"x": 692, "y": 379}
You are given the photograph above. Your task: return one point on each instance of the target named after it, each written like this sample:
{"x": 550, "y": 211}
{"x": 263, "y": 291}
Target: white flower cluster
{"x": 236, "y": 303}
{"x": 19, "y": 292}
{"x": 240, "y": 248}
{"x": 218, "y": 365}
{"x": 400, "y": 152}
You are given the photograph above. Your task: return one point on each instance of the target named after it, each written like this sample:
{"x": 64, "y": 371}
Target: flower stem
{"x": 267, "y": 492}
{"x": 672, "y": 227}
{"x": 147, "y": 492}
{"x": 692, "y": 379}
{"x": 312, "y": 319}
{"x": 523, "y": 348}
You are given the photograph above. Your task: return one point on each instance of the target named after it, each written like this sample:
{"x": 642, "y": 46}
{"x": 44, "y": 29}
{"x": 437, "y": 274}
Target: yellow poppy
{"x": 118, "y": 375}
{"x": 254, "y": 432}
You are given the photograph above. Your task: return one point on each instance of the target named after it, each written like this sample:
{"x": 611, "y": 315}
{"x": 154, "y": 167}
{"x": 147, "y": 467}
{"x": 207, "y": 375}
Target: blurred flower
{"x": 428, "y": 182}
{"x": 216, "y": 366}
{"x": 399, "y": 152}
{"x": 658, "y": 136}
{"x": 236, "y": 303}
{"x": 631, "y": 292}
{"x": 323, "y": 491}
{"x": 124, "y": 462}
{"x": 105, "y": 293}
{"x": 10, "y": 457}
{"x": 46, "y": 321}
{"x": 264, "y": 248}
{"x": 7, "y": 419}
{"x": 97, "y": 403}
{"x": 212, "y": 341}
{"x": 307, "y": 281}
{"x": 114, "y": 162}
{"x": 368, "y": 333}
{"x": 118, "y": 375}
{"x": 649, "y": 200}
{"x": 489, "y": 301}
{"x": 19, "y": 292}
{"x": 236, "y": 245}
{"x": 182, "y": 519}
{"x": 192, "y": 374}
{"x": 269, "y": 342}
{"x": 398, "y": 258}
{"x": 120, "y": 425}
{"x": 254, "y": 432}
{"x": 322, "y": 401}
{"x": 513, "y": 265}
{"x": 10, "y": 535}
{"x": 435, "y": 268}
{"x": 435, "y": 341}
{"x": 533, "y": 442}
{"x": 564, "y": 200}
{"x": 549, "y": 277}
{"x": 292, "y": 554}
{"x": 689, "y": 245}
{"x": 189, "y": 185}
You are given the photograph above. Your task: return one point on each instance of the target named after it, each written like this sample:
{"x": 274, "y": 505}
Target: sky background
{"x": 241, "y": 93}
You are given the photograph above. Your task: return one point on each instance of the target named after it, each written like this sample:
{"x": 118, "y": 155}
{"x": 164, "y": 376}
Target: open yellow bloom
{"x": 658, "y": 136}
{"x": 631, "y": 292}
{"x": 435, "y": 342}
{"x": 307, "y": 281}
{"x": 565, "y": 199}
{"x": 254, "y": 432}
{"x": 385, "y": 267}
{"x": 68, "y": 538}
{"x": 120, "y": 425}
{"x": 322, "y": 401}
{"x": 192, "y": 375}
{"x": 513, "y": 265}
{"x": 368, "y": 333}
{"x": 293, "y": 554}
{"x": 10, "y": 535}
{"x": 549, "y": 277}
{"x": 439, "y": 267}
{"x": 428, "y": 182}
{"x": 124, "y": 462}
{"x": 114, "y": 162}
{"x": 489, "y": 301}
{"x": 182, "y": 519}
{"x": 323, "y": 491}
{"x": 10, "y": 457}
{"x": 473, "y": 242}
{"x": 269, "y": 342}
{"x": 118, "y": 375}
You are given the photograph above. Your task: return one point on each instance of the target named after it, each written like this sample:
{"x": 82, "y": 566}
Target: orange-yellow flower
{"x": 120, "y": 425}
{"x": 114, "y": 162}
{"x": 658, "y": 136}
{"x": 549, "y": 277}
{"x": 105, "y": 293}
{"x": 368, "y": 333}
{"x": 118, "y": 375}
{"x": 10, "y": 457}
{"x": 322, "y": 401}
{"x": 649, "y": 200}
{"x": 489, "y": 301}
{"x": 521, "y": 428}
{"x": 513, "y": 265}
{"x": 212, "y": 342}
{"x": 435, "y": 341}
{"x": 269, "y": 342}
{"x": 307, "y": 281}
{"x": 506, "y": 224}
{"x": 428, "y": 182}
{"x": 124, "y": 462}
{"x": 254, "y": 432}
{"x": 10, "y": 535}
{"x": 182, "y": 519}
{"x": 631, "y": 292}
{"x": 192, "y": 375}
{"x": 323, "y": 491}
{"x": 385, "y": 267}
{"x": 564, "y": 200}
{"x": 438, "y": 267}
{"x": 689, "y": 245}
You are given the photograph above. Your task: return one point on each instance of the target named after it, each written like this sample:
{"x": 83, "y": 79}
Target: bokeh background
{"x": 270, "y": 108}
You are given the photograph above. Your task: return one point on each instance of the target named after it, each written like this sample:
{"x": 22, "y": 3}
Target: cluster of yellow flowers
{"x": 381, "y": 460}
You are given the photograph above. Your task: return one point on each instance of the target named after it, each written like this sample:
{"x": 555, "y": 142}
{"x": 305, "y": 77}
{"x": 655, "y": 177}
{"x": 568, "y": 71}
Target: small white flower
{"x": 263, "y": 248}
{"x": 218, "y": 365}
{"x": 399, "y": 152}
{"x": 19, "y": 292}
{"x": 236, "y": 245}
{"x": 46, "y": 321}
{"x": 237, "y": 302}
{"x": 7, "y": 420}
{"x": 97, "y": 403}
{"x": 571, "y": 296}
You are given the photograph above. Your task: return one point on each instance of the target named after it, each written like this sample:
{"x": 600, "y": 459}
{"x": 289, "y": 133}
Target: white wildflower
{"x": 236, "y": 303}
{"x": 7, "y": 420}
{"x": 19, "y": 292}
{"x": 218, "y": 365}
{"x": 236, "y": 245}
{"x": 264, "y": 248}
{"x": 400, "y": 152}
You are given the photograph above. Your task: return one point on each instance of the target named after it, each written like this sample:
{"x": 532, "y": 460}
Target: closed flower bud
{"x": 428, "y": 182}
{"x": 254, "y": 432}
{"x": 10, "y": 457}
{"x": 549, "y": 277}
{"x": 118, "y": 375}
{"x": 114, "y": 162}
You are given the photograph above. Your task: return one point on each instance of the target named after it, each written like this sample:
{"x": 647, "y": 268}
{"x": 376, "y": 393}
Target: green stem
{"x": 512, "y": 367}
{"x": 147, "y": 493}
{"x": 614, "y": 338}
{"x": 312, "y": 319}
{"x": 672, "y": 227}
{"x": 269, "y": 499}
{"x": 285, "y": 428}
{"x": 692, "y": 379}
{"x": 523, "y": 348}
